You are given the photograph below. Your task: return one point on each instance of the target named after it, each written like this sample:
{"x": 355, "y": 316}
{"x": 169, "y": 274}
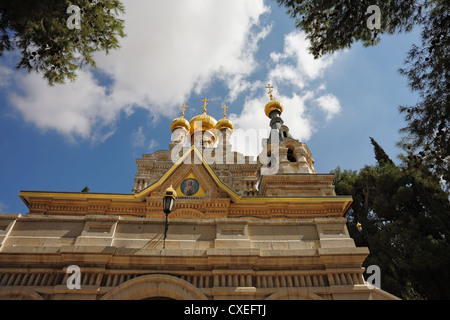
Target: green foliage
{"x": 380, "y": 155}
{"x": 85, "y": 189}
{"x": 427, "y": 136}
{"x": 404, "y": 215}
{"x": 38, "y": 28}
{"x": 333, "y": 25}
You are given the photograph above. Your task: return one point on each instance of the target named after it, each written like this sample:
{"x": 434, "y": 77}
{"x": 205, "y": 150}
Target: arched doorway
{"x": 155, "y": 286}
{"x": 294, "y": 294}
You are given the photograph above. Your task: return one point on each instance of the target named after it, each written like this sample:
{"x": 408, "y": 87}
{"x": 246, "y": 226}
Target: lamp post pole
{"x": 166, "y": 226}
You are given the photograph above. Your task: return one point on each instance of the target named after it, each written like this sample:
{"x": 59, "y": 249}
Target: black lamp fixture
{"x": 359, "y": 226}
{"x": 168, "y": 201}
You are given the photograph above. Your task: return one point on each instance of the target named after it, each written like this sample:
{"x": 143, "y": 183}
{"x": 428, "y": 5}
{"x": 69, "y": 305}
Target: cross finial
{"x": 183, "y": 108}
{"x": 225, "y": 108}
{"x": 206, "y": 100}
{"x": 270, "y": 91}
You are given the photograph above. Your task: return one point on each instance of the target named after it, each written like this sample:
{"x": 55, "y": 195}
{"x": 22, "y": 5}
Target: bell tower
{"x": 180, "y": 128}
{"x": 288, "y": 160}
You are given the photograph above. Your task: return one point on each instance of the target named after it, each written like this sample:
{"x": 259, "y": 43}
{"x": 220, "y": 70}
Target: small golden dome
{"x": 224, "y": 123}
{"x": 180, "y": 123}
{"x": 203, "y": 122}
{"x": 273, "y": 105}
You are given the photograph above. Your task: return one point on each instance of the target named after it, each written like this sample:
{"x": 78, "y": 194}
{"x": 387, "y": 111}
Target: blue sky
{"x": 91, "y": 131}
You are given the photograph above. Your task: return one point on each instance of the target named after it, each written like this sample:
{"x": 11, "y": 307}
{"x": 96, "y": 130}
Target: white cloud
{"x": 175, "y": 47}
{"x": 172, "y": 48}
{"x": 330, "y": 105}
{"x": 152, "y": 144}
{"x": 139, "y": 140}
{"x": 236, "y": 81}
{"x": 295, "y": 65}
{"x": 72, "y": 110}
{"x": 138, "y": 137}
{"x": 5, "y": 74}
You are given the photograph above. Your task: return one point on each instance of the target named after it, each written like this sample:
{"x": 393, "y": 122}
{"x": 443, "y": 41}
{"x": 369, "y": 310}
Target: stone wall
{"x": 122, "y": 258}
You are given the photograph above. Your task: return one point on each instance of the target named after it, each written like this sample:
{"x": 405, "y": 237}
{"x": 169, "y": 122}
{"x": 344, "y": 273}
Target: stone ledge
{"x": 343, "y": 251}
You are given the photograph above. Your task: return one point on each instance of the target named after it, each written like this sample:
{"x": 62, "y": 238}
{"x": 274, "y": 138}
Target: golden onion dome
{"x": 202, "y": 122}
{"x": 224, "y": 123}
{"x": 273, "y": 105}
{"x": 180, "y": 123}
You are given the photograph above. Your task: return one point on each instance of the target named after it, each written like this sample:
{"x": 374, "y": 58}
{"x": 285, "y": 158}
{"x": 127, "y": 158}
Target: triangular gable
{"x": 192, "y": 176}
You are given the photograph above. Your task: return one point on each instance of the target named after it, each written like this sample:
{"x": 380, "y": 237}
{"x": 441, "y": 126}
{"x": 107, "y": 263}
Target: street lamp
{"x": 168, "y": 201}
{"x": 359, "y": 226}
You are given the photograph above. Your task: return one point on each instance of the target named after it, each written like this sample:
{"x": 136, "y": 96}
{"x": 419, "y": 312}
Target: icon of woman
{"x": 189, "y": 189}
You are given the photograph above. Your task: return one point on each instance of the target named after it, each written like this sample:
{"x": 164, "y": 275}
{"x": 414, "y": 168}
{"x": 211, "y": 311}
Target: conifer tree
{"x": 405, "y": 217}
{"x": 380, "y": 154}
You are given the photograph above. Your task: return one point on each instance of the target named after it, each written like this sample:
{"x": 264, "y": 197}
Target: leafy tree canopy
{"x": 39, "y": 30}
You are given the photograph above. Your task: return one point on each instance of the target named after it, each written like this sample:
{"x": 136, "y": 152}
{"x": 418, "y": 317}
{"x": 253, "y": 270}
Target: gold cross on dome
{"x": 270, "y": 91}
{"x": 206, "y": 100}
{"x": 225, "y": 108}
{"x": 183, "y": 108}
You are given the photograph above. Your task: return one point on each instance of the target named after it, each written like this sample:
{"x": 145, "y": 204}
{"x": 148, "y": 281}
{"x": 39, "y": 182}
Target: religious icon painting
{"x": 189, "y": 187}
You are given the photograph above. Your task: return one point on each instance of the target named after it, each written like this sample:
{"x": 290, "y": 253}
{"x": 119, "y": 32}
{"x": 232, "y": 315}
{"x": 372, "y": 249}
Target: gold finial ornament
{"x": 270, "y": 91}
{"x": 205, "y": 101}
{"x": 272, "y": 104}
{"x": 183, "y": 108}
{"x": 225, "y": 108}
{"x": 180, "y": 122}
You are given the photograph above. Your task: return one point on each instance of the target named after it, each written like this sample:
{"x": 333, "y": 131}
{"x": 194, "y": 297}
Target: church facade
{"x": 239, "y": 229}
